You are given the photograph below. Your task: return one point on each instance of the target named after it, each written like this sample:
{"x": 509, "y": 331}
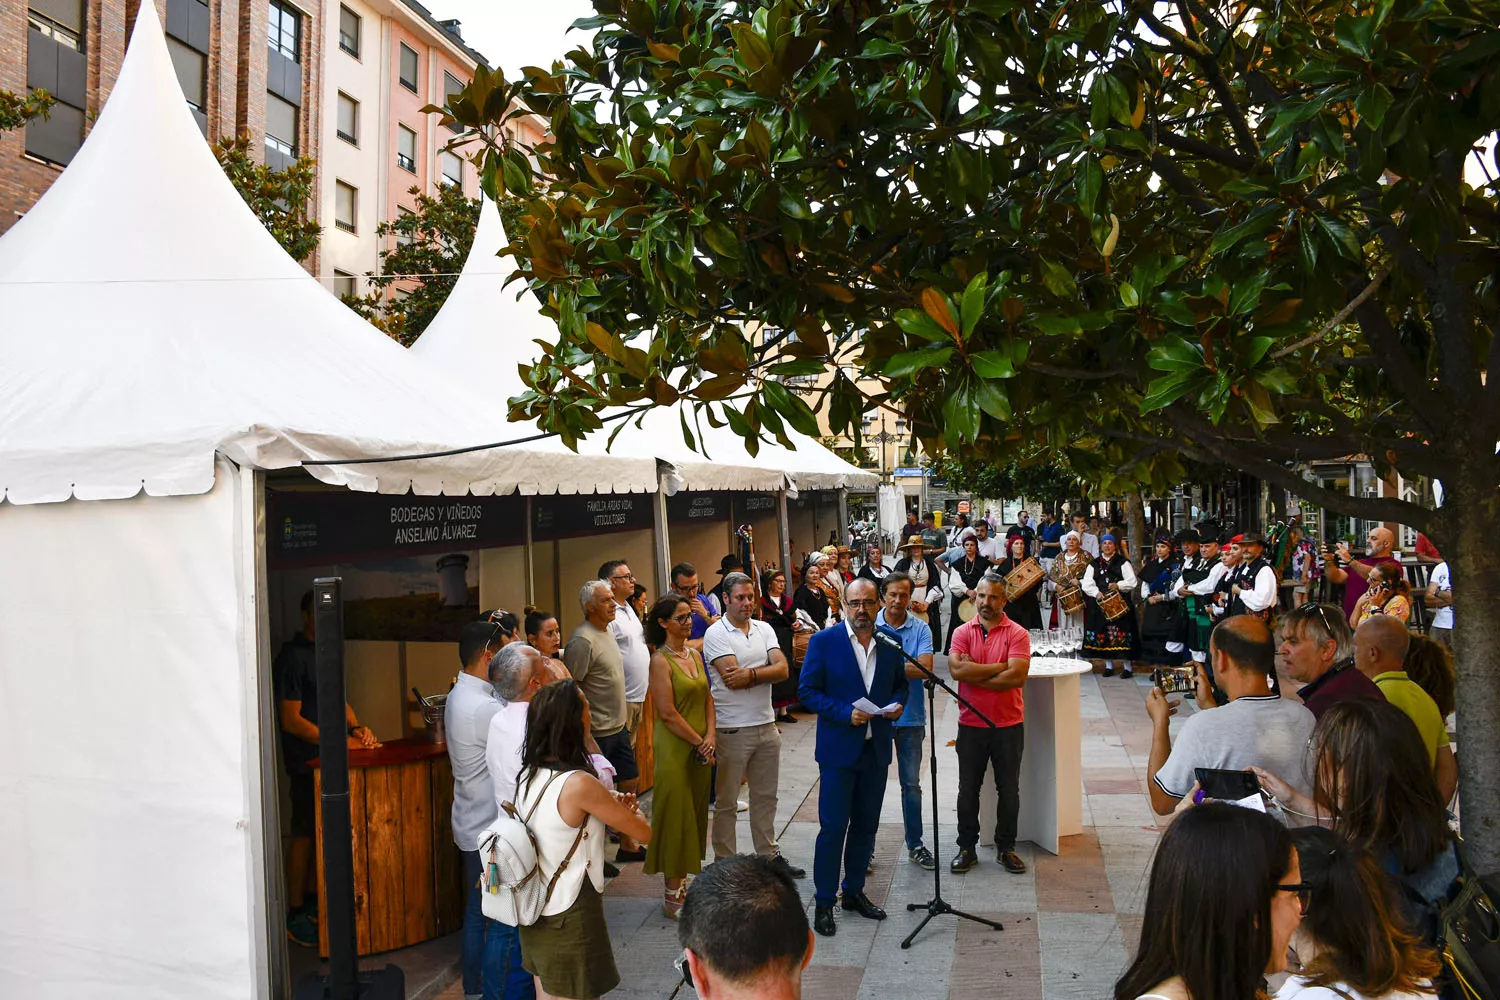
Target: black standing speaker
{"x": 343, "y": 981}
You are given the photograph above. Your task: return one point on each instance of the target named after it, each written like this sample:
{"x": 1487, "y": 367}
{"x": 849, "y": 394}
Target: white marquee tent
{"x": 158, "y": 351}
{"x": 486, "y": 330}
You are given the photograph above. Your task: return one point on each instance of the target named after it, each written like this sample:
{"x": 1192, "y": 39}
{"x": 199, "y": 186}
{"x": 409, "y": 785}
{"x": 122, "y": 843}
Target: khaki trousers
{"x": 752, "y": 753}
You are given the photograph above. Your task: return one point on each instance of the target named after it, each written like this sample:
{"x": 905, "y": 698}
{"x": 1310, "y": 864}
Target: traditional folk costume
{"x": 1026, "y": 610}
{"x": 927, "y": 583}
{"x": 1104, "y": 639}
{"x": 1161, "y": 621}
{"x": 963, "y": 576}
{"x": 1067, "y": 571}
{"x": 1195, "y": 574}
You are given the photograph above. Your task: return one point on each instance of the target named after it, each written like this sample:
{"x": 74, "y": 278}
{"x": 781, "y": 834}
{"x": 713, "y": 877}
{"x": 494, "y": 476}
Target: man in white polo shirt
{"x": 630, "y": 635}
{"x": 746, "y": 661}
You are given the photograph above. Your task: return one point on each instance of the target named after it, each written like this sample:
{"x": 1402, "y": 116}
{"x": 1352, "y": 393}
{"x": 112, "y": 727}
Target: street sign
{"x": 963, "y": 506}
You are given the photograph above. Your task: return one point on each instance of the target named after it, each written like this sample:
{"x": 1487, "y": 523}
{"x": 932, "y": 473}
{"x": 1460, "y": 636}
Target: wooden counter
{"x": 408, "y": 874}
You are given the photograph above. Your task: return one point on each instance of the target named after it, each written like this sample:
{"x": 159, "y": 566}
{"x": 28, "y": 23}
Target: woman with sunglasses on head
{"x": 1373, "y": 784}
{"x": 1352, "y": 944}
{"x": 568, "y": 949}
{"x": 1222, "y": 904}
{"x": 685, "y": 748}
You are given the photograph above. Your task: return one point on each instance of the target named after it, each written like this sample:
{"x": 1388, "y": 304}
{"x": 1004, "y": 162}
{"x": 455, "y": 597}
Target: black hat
{"x": 1253, "y": 538}
{"x": 1189, "y": 535}
{"x": 730, "y": 564}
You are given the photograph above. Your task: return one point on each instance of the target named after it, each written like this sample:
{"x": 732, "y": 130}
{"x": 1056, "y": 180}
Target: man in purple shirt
{"x": 1317, "y": 651}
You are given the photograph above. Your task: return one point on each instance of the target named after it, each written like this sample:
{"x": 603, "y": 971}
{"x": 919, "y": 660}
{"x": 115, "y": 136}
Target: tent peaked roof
{"x": 152, "y": 321}
{"x": 485, "y": 326}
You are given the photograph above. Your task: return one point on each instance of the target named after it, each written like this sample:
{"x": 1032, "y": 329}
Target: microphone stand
{"x": 937, "y": 904}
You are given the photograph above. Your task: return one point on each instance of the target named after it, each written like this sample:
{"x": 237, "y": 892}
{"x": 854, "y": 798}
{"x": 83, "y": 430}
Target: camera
{"x": 1175, "y": 680}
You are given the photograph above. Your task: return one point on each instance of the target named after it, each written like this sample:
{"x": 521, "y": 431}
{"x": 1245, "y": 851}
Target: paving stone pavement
{"x": 1070, "y": 922}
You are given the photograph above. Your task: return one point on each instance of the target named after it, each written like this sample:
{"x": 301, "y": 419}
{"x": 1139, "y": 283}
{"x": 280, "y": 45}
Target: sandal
{"x": 672, "y": 900}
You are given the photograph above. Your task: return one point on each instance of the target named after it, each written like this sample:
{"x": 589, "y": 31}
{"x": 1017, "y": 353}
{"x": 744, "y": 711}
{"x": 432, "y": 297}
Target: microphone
{"x": 886, "y": 639}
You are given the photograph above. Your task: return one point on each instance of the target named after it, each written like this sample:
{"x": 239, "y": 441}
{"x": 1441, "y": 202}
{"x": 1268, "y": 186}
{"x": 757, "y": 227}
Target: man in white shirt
{"x": 1253, "y": 589}
{"x": 517, "y": 672}
{"x": 1087, "y": 540}
{"x": 746, "y": 660}
{"x": 1440, "y": 597}
{"x": 992, "y": 549}
{"x": 630, "y": 634}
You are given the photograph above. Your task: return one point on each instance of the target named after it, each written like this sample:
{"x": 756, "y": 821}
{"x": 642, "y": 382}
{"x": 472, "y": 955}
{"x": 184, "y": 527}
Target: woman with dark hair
{"x": 963, "y": 579}
{"x": 684, "y": 750}
{"x": 1221, "y": 906}
{"x": 567, "y": 949}
{"x": 1388, "y": 594}
{"x": 1105, "y": 638}
{"x": 776, "y": 610}
{"x": 810, "y": 603}
{"x": 544, "y": 634}
{"x": 1161, "y": 621}
{"x": 1353, "y": 944}
{"x": 639, "y": 602}
{"x": 1430, "y": 664}
{"x": 1026, "y": 610}
{"x": 1372, "y": 779}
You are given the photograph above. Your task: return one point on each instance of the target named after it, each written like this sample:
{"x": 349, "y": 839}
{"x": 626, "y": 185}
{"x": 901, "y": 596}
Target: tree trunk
{"x": 1469, "y": 548}
{"x": 1135, "y": 527}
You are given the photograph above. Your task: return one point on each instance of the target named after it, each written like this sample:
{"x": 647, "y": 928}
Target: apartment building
{"x": 391, "y": 59}
{"x": 245, "y": 66}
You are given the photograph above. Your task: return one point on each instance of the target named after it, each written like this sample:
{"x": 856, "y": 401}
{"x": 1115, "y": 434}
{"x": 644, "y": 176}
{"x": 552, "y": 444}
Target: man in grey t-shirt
{"x": 744, "y": 660}
{"x": 1256, "y": 727}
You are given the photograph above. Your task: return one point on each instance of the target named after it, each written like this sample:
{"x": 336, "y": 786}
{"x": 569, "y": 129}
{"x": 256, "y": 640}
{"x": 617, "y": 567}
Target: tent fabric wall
{"x": 125, "y": 811}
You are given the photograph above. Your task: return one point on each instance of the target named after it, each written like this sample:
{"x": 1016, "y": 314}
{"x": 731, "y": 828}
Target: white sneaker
{"x": 741, "y": 806}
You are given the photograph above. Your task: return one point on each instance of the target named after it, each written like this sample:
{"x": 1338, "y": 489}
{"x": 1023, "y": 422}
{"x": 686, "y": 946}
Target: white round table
{"x": 1051, "y": 763}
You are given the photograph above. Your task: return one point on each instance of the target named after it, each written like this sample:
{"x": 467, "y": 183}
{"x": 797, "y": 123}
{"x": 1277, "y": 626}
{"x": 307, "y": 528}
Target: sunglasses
{"x": 1303, "y": 891}
{"x": 496, "y": 619}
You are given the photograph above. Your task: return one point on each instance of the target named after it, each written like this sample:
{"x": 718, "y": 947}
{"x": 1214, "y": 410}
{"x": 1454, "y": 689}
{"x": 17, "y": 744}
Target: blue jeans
{"x": 909, "y": 770}
{"x": 491, "y": 950}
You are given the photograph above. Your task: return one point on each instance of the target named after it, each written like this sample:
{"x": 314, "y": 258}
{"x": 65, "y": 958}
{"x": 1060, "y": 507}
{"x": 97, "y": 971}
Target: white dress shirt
{"x": 1127, "y": 584}
{"x": 866, "y": 658}
{"x": 502, "y": 751}
{"x": 1260, "y": 594}
{"x": 631, "y": 637}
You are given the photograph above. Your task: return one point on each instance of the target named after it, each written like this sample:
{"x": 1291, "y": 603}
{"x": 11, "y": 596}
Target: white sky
{"x": 516, "y": 33}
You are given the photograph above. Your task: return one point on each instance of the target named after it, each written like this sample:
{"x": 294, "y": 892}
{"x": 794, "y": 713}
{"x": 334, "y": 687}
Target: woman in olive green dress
{"x": 684, "y": 751}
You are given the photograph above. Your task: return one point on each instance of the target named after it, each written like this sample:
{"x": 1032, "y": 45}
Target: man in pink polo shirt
{"x": 990, "y": 660}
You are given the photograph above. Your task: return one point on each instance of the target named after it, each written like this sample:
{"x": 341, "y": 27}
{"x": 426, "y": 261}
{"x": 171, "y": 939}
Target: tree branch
{"x": 1385, "y": 342}
{"x": 1182, "y": 184}
{"x": 1339, "y": 317}
{"x": 1205, "y": 150}
{"x": 1082, "y": 374}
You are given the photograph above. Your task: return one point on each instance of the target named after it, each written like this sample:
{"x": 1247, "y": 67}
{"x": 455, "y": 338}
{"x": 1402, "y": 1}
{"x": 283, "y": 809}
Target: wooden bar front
{"x": 408, "y": 874}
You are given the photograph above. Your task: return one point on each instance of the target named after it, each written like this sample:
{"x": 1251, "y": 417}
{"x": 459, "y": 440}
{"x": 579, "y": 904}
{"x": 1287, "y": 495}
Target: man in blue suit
{"x": 843, "y": 664}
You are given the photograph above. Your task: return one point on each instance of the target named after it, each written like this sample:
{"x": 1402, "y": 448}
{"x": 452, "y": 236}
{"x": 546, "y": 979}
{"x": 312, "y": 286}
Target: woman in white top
{"x": 1352, "y": 945}
{"x": 1067, "y": 572}
{"x": 1105, "y": 638}
{"x": 1221, "y": 907}
{"x": 567, "y": 950}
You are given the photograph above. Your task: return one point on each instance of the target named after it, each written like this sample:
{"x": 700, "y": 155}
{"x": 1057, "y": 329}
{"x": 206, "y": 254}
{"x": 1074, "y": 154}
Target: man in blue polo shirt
{"x": 911, "y": 728}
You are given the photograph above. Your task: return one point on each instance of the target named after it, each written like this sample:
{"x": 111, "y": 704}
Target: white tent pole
{"x": 784, "y": 530}
{"x": 663, "y": 543}
{"x": 843, "y": 516}
{"x": 262, "y": 822}
{"x": 529, "y": 555}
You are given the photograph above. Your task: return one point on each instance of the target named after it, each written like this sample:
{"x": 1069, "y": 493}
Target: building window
{"x": 348, "y": 126}
{"x": 286, "y": 30}
{"x": 406, "y": 149}
{"x": 408, "y": 71}
{"x": 452, "y": 169}
{"x": 281, "y": 125}
{"x": 55, "y": 62}
{"x": 451, "y": 89}
{"x": 349, "y": 23}
{"x": 345, "y": 203}
{"x": 344, "y": 284}
{"x": 403, "y": 239}
{"x": 192, "y": 72}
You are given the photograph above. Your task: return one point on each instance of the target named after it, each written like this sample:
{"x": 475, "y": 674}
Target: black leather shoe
{"x": 861, "y": 904}
{"x": 823, "y": 921}
{"x": 963, "y": 860}
{"x": 1011, "y": 862}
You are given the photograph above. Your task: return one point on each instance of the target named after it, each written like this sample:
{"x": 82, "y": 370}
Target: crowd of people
{"x": 1357, "y": 771}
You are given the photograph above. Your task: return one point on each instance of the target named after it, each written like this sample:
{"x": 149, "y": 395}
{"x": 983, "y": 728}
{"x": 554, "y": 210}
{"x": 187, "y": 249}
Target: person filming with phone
{"x": 1253, "y": 729}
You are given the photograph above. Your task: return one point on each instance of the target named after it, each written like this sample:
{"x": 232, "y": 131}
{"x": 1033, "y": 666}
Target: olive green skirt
{"x": 569, "y": 952}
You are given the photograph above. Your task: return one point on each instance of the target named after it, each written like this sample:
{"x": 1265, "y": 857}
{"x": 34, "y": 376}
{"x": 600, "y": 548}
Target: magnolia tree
{"x": 1133, "y": 233}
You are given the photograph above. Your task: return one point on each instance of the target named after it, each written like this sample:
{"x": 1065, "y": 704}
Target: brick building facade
{"x": 228, "y": 62}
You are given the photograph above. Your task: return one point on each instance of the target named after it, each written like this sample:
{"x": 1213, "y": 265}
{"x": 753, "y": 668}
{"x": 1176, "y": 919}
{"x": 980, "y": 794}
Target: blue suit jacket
{"x": 830, "y": 685}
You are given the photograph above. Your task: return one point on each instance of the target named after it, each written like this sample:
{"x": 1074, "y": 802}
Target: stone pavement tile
{"x": 989, "y": 888}
{"x": 1121, "y": 810}
{"x": 890, "y": 849}
{"x": 807, "y": 812}
{"x": 835, "y": 982}
{"x": 919, "y": 971}
{"x": 988, "y": 963}
{"x": 1127, "y": 860}
{"x": 632, "y": 881}
{"x": 1074, "y": 881}
{"x": 1081, "y": 955}
{"x": 1130, "y": 933}
{"x": 1113, "y": 781}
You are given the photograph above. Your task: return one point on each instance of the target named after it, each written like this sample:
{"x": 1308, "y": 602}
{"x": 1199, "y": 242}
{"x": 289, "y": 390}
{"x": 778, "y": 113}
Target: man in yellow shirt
{"x": 1380, "y": 653}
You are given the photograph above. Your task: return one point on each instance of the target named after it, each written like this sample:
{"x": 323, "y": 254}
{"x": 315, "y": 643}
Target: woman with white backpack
{"x": 567, "y": 949}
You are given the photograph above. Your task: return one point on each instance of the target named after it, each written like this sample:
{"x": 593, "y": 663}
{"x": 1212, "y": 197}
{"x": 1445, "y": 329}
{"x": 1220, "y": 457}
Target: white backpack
{"x": 510, "y": 878}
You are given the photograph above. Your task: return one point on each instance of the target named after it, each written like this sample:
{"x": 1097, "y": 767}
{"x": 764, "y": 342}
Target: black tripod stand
{"x": 937, "y": 904}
